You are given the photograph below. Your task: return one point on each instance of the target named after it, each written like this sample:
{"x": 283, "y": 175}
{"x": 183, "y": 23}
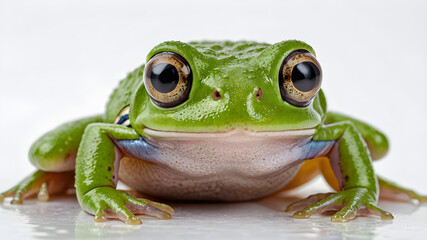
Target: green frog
{"x": 213, "y": 121}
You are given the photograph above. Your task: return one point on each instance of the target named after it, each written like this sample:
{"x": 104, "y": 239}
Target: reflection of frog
{"x": 225, "y": 121}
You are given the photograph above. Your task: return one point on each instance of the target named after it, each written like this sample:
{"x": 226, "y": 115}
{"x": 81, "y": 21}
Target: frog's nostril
{"x": 258, "y": 94}
{"x": 216, "y": 95}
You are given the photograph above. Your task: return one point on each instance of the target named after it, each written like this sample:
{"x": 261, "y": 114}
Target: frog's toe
{"x": 38, "y": 183}
{"x": 107, "y": 202}
{"x": 350, "y": 212}
{"x": 120, "y": 212}
{"x": 345, "y": 215}
{"x": 325, "y": 204}
{"x": 150, "y": 208}
{"x": 100, "y": 218}
{"x": 392, "y": 191}
{"x": 299, "y": 205}
{"x": 43, "y": 194}
{"x": 422, "y": 198}
{"x": 24, "y": 191}
{"x": 17, "y": 199}
{"x": 346, "y": 203}
{"x": 161, "y": 206}
{"x": 376, "y": 210}
{"x": 415, "y": 196}
{"x": 127, "y": 212}
{"x": 6, "y": 194}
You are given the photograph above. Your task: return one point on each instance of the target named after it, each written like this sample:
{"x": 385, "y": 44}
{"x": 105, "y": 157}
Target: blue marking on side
{"x": 315, "y": 149}
{"x": 138, "y": 148}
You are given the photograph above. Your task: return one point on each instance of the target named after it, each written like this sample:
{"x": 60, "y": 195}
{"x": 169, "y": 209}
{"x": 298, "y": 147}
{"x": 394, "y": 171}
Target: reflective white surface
{"x": 264, "y": 219}
{"x": 60, "y": 60}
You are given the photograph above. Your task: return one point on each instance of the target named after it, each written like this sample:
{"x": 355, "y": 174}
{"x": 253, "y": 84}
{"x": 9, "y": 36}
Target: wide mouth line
{"x": 231, "y": 133}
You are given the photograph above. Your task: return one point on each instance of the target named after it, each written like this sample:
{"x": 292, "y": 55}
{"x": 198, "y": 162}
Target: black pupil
{"x": 305, "y": 76}
{"x": 164, "y": 77}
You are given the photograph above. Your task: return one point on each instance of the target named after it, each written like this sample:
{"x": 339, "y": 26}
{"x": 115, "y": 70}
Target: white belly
{"x": 230, "y": 166}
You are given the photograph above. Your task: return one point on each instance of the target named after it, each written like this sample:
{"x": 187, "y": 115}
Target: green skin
{"x": 232, "y": 68}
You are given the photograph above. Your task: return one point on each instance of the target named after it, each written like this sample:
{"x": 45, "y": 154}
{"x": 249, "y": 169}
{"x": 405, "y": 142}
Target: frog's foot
{"x": 392, "y": 191}
{"x": 40, "y": 183}
{"x": 107, "y": 202}
{"x": 8, "y": 193}
{"x": 346, "y": 202}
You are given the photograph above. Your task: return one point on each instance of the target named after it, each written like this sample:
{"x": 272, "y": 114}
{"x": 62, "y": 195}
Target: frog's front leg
{"x": 96, "y": 176}
{"x": 54, "y": 155}
{"x": 352, "y": 165}
{"x": 378, "y": 146}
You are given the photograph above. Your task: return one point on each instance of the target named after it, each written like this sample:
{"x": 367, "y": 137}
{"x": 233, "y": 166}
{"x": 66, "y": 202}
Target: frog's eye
{"x": 123, "y": 117}
{"x": 168, "y": 79}
{"x": 300, "y": 78}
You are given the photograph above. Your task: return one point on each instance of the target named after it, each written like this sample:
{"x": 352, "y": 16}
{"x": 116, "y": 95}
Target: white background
{"x": 60, "y": 60}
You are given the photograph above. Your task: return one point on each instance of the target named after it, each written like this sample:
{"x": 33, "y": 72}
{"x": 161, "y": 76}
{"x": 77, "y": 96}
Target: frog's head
{"x": 224, "y": 86}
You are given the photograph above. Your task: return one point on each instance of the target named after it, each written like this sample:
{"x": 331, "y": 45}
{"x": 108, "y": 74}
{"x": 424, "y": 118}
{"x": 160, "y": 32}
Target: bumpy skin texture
{"x": 237, "y": 71}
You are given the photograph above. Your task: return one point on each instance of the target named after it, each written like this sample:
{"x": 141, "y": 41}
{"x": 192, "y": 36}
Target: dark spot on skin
{"x": 346, "y": 178}
{"x": 109, "y": 169}
{"x": 114, "y": 177}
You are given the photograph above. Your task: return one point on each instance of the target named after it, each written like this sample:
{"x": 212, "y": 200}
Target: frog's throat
{"x": 232, "y": 133}
{"x": 227, "y": 166}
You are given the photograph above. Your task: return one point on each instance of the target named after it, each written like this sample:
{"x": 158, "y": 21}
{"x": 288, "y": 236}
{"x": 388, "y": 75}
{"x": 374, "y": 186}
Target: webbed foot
{"x": 107, "y": 202}
{"x": 346, "y": 202}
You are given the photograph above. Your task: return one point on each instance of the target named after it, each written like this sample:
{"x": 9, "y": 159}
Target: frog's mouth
{"x": 241, "y": 134}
